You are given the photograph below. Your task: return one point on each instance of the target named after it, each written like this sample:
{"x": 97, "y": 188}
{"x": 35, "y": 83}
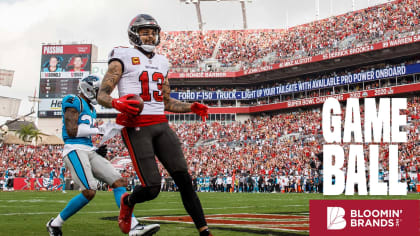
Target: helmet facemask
{"x": 89, "y": 87}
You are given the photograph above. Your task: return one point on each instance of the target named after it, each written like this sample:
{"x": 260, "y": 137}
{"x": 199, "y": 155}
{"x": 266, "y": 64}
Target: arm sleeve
{"x": 84, "y": 130}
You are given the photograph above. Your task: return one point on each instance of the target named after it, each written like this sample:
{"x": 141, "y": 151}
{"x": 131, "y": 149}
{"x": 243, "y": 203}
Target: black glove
{"x": 102, "y": 150}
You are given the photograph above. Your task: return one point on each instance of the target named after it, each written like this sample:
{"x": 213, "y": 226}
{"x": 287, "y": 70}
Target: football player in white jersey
{"x": 139, "y": 71}
{"x": 85, "y": 162}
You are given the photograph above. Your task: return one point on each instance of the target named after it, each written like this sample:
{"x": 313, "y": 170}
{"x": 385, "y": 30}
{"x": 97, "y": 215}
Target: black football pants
{"x": 143, "y": 144}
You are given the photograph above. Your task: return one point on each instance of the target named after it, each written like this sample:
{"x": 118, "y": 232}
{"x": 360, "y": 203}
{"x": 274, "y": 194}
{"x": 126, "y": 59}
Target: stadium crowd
{"x": 242, "y": 49}
{"x": 275, "y": 152}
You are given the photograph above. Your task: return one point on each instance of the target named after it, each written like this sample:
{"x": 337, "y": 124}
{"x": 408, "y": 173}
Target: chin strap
{"x": 148, "y": 48}
{"x": 149, "y": 54}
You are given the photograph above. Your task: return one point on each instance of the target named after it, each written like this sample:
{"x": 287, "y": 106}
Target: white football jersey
{"x": 142, "y": 76}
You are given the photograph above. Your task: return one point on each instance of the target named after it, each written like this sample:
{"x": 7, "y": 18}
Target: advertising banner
{"x": 364, "y": 76}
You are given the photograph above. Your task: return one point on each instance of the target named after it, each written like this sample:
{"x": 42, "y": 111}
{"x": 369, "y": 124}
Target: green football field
{"x": 26, "y": 213}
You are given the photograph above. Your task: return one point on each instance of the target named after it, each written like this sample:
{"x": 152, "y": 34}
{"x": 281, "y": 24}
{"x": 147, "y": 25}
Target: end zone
{"x": 275, "y": 222}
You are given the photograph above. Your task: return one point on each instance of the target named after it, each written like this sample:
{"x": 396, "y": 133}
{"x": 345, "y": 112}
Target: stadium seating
{"x": 234, "y": 50}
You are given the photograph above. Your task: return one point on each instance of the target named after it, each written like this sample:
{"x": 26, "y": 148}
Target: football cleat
{"x": 205, "y": 232}
{"x": 124, "y": 219}
{"x": 144, "y": 230}
{"x": 53, "y": 231}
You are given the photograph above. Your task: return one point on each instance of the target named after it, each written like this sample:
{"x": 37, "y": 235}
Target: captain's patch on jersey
{"x": 135, "y": 60}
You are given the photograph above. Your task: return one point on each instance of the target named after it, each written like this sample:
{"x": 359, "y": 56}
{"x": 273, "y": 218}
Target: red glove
{"x": 200, "y": 110}
{"x": 124, "y": 105}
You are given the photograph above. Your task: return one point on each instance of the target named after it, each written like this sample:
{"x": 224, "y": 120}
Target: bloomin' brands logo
{"x": 335, "y": 218}
{"x": 364, "y": 217}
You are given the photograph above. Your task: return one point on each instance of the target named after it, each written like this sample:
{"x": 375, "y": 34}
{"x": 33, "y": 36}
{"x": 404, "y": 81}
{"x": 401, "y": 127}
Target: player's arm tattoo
{"x": 70, "y": 119}
{"x": 172, "y": 104}
{"x": 111, "y": 79}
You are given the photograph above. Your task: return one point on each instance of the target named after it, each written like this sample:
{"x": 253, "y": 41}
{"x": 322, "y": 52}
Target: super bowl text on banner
{"x": 364, "y": 217}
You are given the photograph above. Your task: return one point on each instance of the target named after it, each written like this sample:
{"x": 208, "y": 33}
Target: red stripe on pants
{"x": 132, "y": 156}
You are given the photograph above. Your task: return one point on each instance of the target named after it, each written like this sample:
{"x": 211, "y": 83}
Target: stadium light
{"x": 198, "y": 9}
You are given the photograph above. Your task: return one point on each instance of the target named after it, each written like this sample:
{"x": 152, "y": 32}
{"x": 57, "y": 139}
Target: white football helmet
{"x": 89, "y": 87}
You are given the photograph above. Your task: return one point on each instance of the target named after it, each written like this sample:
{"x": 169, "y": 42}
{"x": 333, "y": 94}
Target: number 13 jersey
{"x": 145, "y": 77}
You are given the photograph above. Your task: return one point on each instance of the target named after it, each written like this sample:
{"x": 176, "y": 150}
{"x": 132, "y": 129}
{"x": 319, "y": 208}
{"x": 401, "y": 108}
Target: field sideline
{"x": 26, "y": 213}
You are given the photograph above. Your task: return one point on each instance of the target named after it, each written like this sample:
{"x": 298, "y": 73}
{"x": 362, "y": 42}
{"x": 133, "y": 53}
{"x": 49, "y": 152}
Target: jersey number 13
{"x": 145, "y": 91}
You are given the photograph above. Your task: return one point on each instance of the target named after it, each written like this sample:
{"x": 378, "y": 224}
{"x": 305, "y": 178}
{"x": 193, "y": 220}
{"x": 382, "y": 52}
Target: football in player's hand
{"x": 140, "y": 105}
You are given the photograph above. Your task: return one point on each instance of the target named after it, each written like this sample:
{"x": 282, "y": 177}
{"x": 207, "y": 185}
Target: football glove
{"x": 102, "y": 150}
{"x": 123, "y": 105}
{"x": 200, "y": 110}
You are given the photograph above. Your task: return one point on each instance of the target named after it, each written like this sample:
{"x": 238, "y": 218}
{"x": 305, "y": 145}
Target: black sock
{"x": 205, "y": 232}
{"x": 127, "y": 202}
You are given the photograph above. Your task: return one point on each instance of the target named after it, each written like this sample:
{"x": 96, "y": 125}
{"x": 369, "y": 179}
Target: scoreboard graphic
{"x": 61, "y": 68}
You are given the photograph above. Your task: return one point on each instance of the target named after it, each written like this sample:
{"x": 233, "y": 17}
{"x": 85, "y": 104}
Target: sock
{"x": 127, "y": 202}
{"x": 57, "y": 222}
{"x": 75, "y": 204}
{"x": 118, "y": 192}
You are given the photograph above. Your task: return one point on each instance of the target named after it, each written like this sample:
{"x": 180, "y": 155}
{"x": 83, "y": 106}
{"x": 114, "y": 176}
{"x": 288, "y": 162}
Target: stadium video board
{"x": 61, "y": 68}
